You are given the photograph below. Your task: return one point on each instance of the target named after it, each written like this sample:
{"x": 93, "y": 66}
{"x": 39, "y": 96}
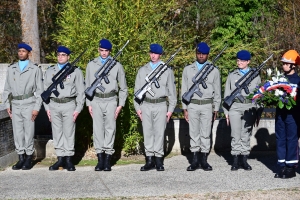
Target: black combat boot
{"x": 100, "y": 164}
{"x": 289, "y": 172}
{"x": 159, "y": 164}
{"x": 204, "y": 165}
{"x": 60, "y": 163}
{"x": 280, "y": 172}
{"x": 245, "y": 165}
{"x": 107, "y": 166}
{"x": 149, "y": 164}
{"x": 28, "y": 163}
{"x": 195, "y": 162}
{"x": 69, "y": 165}
{"x": 20, "y": 163}
{"x": 235, "y": 165}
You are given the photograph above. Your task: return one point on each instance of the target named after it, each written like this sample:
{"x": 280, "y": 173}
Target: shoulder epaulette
{"x": 50, "y": 66}
{"x": 14, "y": 62}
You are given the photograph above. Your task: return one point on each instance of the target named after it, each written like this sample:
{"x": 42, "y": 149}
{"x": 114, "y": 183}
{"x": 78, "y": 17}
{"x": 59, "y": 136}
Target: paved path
{"x": 128, "y": 181}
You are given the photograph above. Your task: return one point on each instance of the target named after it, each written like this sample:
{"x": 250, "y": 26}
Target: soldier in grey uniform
{"x": 153, "y": 111}
{"x": 241, "y": 114}
{"x": 22, "y": 99}
{"x": 105, "y": 107}
{"x": 64, "y": 109}
{"x": 201, "y": 111}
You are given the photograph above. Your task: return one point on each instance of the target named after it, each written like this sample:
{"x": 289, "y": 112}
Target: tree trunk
{"x": 30, "y": 30}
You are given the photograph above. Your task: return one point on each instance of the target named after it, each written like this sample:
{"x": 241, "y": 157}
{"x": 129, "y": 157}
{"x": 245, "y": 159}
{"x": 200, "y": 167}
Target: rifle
{"x": 104, "y": 69}
{"x": 58, "y": 79}
{"x": 242, "y": 84}
{"x": 153, "y": 78}
{"x": 200, "y": 79}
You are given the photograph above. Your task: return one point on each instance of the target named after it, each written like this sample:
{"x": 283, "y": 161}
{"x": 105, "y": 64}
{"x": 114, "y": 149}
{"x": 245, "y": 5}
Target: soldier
{"x": 287, "y": 122}
{"x": 22, "y": 99}
{"x": 201, "y": 110}
{"x": 241, "y": 114}
{"x": 64, "y": 109}
{"x": 105, "y": 108}
{"x": 153, "y": 111}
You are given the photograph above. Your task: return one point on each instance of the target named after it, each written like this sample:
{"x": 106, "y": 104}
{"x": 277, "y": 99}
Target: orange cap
{"x": 291, "y": 56}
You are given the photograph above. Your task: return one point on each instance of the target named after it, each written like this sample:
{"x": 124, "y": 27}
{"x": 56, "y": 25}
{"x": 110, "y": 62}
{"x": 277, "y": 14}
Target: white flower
{"x": 279, "y": 77}
{"x": 282, "y": 79}
{"x": 278, "y": 92}
{"x": 269, "y": 72}
{"x": 294, "y": 90}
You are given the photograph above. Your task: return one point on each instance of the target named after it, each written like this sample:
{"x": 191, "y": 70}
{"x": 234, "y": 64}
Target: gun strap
{"x": 201, "y": 102}
{"x": 245, "y": 101}
{"x": 63, "y": 100}
{"x": 24, "y": 96}
{"x": 105, "y": 95}
{"x": 159, "y": 100}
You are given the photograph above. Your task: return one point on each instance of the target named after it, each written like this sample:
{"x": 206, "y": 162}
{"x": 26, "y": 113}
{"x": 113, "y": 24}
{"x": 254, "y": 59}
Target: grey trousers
{"x": 23, "y": 128}
{"x": 200, "y": 121}
{"x": 154, "y": 124}
{"x": 63, "y": 127}
{"x": 104, "y": 124}
{"x": 242, "y": 118}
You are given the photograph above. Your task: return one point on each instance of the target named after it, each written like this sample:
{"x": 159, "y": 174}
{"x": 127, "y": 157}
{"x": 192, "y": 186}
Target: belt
{"x": 24, "y": 96}
{"x": 245, "y": 101}
{"x": 159, "y": 100}
{"x": 201, "y": 102}
{"x": 63, "y": 100}
{"x": 106, "y": 95}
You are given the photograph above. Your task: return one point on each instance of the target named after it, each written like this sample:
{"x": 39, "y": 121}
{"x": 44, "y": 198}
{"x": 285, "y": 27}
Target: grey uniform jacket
{"x": 167, "y": 86}
{"x": 73, "y": 86}
{"x": 25, "y": 82}
{"x": 213, "y": 82}
{"x": 232, "y": 78}
{"x": 116, "y": 78}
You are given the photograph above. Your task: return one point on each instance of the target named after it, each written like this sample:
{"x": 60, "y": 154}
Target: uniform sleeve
{"x": 79, "y": 84}
{"x": 172, "y": 96}
{"x": 184, "y": 86}
{"x": 123, "y": 91}
{"x": 137, "y": 86}
{"x": 227, "y": 92}
{"x": 7, "y": 91}
{"x": 46, "y": 106}
{"x": 87, "y": 83}
{"x": 39, "y": 89}
{"x": 217, "y": 90}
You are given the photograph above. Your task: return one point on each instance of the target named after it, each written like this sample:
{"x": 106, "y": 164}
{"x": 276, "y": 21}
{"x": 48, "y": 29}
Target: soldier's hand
{"x": 139, "y": 113}
{"x": 75, "y": 115}
{"x": 49, "y": 115}
{"x": 34, "y": 114}
{"x": 215, "y": 114}
{"x": 186, "y": 115}
{"x": 9, "y": 112}
{"x": 91, "y": 111}
{"x": 169, "y": 114}
{"x": 227, "y": 120}
{"x": 117, "y": 112}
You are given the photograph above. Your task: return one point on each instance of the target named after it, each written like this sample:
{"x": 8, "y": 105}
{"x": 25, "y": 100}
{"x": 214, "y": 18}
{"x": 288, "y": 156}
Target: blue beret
{"x": 202, "y": 47}
{"x": 156, "y": 48}
{"x": 105, "y": 44}
{"x": 24, "y": 46}
{"x": 64, "y": 50}
{"x": 243, "y": 55}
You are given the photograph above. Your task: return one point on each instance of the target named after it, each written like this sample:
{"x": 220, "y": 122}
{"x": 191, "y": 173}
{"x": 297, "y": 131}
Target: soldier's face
{"x": 104, "y": 53}
{"x": 23, "y": 54}
{"x": 287, "y": 67}
{"x": 242, "y": 64}
{"x": 62, "y": 58}
{"x": 154, "y": 57}
{"x": 201, "y": 57}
